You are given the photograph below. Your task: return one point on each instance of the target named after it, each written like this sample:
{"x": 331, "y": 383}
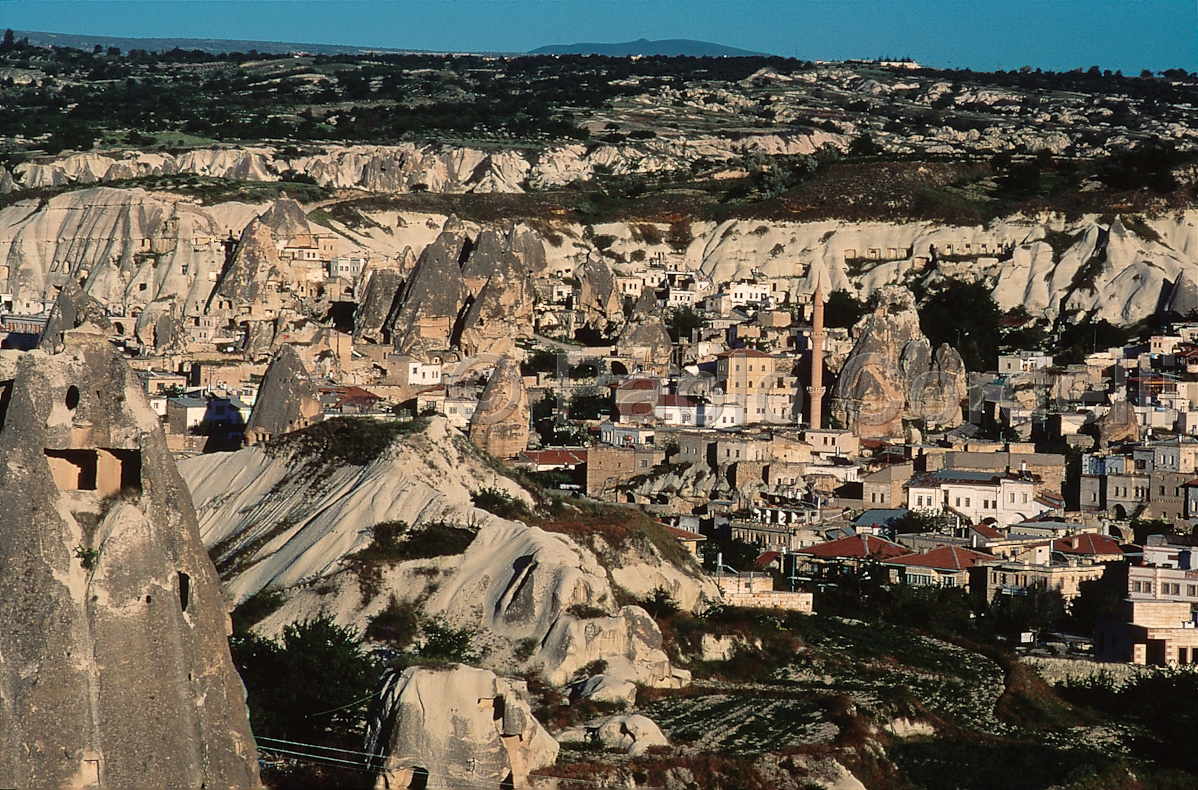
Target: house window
{"x": 958, "y": 502}
{"x": 1135, "y": 587}
{"x": 1012, "y": 498}
{"x": 966, "y": 501}
{"x": 644, "y": 463}
{"x": 1191, "y": 590}
{"x": 873, "y": 497}
{"x": 1025, "y": 499}
{"x": 919, "y": 500}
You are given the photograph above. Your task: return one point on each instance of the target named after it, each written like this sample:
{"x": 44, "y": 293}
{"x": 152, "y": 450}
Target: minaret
{"x": 816, "y": 390}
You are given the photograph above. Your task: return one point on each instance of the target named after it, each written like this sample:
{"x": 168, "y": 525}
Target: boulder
{"x": 427, "y": 311}
{"x": 633, "y": 734}
{"x": 455, "y": 726}
{"x": 499, "y": 424}
{"x": 645, "y": 340}
{"x": 501, "y": 314}
{"x": 285, "y": 218}
{"x": 599, "y": 299}
{"x": 630, "y": 643}
{"x": 1183, "y": 299}
{"x": 114, "y": 660}
{"x": 604, "y": 688}
{"x": 72, "y": 309}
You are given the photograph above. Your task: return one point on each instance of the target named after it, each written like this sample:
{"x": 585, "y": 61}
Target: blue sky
{"x": 981, "y": 34}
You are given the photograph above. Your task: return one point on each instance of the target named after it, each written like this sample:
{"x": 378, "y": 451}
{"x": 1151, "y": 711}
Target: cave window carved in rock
{"x": 184, "y": 590}
{"x": 105, "y": 471}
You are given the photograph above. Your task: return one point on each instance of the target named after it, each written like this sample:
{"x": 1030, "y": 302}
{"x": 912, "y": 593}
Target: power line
{"x": 343, "y": 707}
{"x": 316, "y": 746}
{"x": 357, "y": 765}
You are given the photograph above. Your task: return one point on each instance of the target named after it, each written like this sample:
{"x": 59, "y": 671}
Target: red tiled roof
{"x": 986, "y": 531}
{"x": 351, "y": 394}
{"x": 858, "y": 546}
{"x": 1087, "y": 543}
{"x": 945, "y": 558}
{"x": 683, "y": 534}
{"x": 766, "y": 558}
{"x": 555, "y": 457}
{"x": 637, "y": 407}
{"x": 675, "y": 400}
{"x": 1012, "y": 321}
{"x": 636, "y": 384}
{"x": 1054, "y": 501}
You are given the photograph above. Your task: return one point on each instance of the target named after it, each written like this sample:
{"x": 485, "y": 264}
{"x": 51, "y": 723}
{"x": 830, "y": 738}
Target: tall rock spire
{"x": 114, "y": 662}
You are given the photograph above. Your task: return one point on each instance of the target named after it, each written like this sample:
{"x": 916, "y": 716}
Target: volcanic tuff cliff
{"x": 892, "y": 374}
{"x": 159, "y": 260}
{"x": 272, "y": 519}
{"x": 114, "y": 664}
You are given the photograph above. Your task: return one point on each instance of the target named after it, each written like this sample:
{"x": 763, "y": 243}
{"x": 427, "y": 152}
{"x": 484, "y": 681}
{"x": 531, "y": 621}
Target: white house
{"x": 749, "y": 292}
{"x": 1005, "y": 498}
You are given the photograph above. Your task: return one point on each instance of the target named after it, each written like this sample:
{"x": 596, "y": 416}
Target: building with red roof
{"x": 947, "y": 566}
{"x": 847, "y": 554}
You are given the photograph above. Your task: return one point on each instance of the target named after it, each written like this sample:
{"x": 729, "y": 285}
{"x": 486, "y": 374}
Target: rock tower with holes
{"x": 114, "y": 665}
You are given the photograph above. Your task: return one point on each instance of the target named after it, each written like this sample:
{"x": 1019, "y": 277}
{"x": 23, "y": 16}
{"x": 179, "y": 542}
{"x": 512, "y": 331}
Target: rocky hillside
{"x": 302, "y": 516}
{"x": 159, "y": 258}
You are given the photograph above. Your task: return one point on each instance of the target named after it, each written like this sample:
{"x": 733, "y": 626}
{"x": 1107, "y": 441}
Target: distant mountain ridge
{"x": 670, "y": 47}
{"x": 211, "y": 45}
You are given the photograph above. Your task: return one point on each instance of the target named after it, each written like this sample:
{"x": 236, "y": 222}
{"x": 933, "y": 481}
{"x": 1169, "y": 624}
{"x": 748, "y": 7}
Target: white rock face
{"x": 273, "y": 522}
{"x": 133, "y": 249}
{"x": 605, "y": 688}
{"x": 457, "y": 726}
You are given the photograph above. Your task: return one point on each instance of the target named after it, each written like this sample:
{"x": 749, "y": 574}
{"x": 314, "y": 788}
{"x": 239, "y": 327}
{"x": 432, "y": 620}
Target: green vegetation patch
{"x": 344, "y": 441}
{"x": 395, "y": 541}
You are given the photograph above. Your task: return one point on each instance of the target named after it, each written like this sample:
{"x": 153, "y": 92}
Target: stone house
{"x": 884, "y": 488}
{"x": 1150, "y": 632}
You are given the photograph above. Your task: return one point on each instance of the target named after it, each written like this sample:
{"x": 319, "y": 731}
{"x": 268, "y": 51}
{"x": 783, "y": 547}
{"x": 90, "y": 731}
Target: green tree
{"x": 965, "y": 316}
{"x": 1085, "y": 337}
{"x": 913, "y": 522}
{"x": 843, "y": 309}
{"x": 1038, "y": 608}
{"x": 681, "y": 321}
{"x": 312, "y": 686}
{"x": 737, "y": 554}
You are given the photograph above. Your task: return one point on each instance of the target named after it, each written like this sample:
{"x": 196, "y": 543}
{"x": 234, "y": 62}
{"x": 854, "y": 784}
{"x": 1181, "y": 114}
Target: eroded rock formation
{"x": 892, "y": 373}
{"x": 287, "y": 400}
{"x": 433, "y": 297}
{"x": 1119, "y": 424}
{"x": 114, "y": 665}
{"x": 499, "y": 424}
{"x": 645, "y": 340}
{"x": 454, "y": 726}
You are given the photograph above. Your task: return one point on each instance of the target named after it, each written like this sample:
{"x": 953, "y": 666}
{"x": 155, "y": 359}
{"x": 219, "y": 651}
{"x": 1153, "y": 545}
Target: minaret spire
{"x": 816, "y": 390}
